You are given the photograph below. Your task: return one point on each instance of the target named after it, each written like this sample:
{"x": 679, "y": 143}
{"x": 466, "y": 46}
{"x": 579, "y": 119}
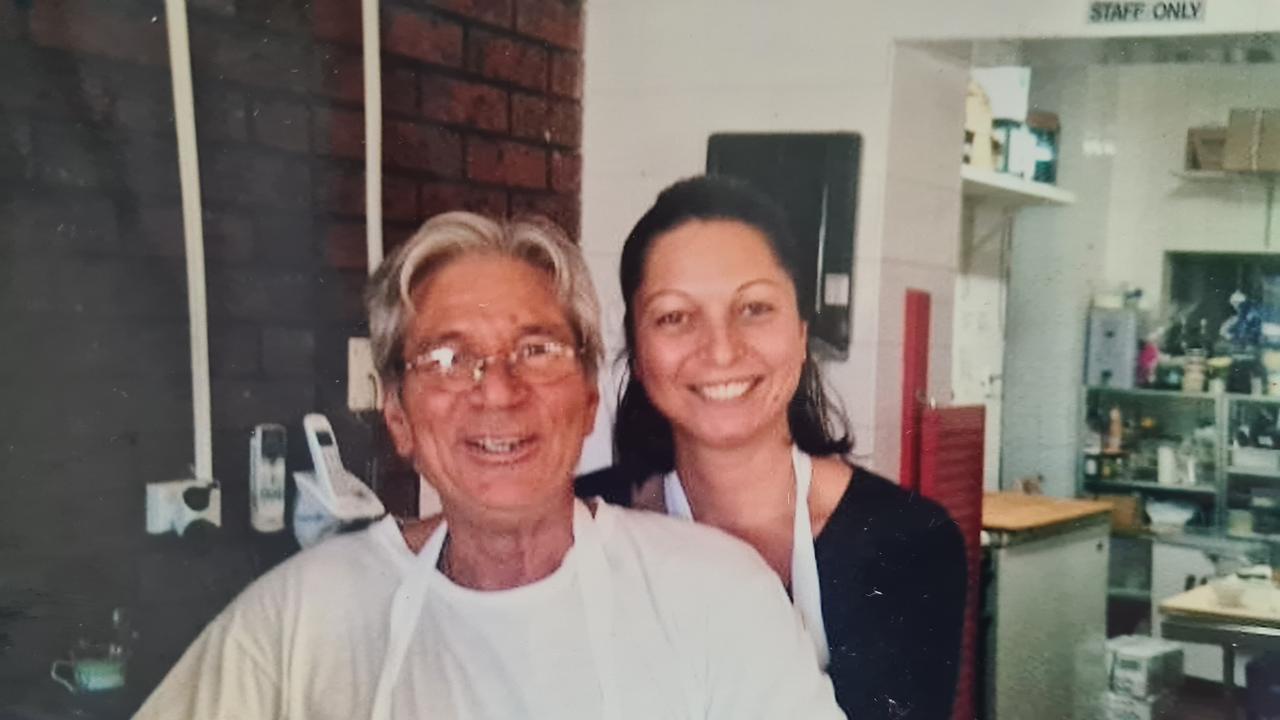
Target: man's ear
{"x": 398, "y": 424}
{"x": 593, "y": 406}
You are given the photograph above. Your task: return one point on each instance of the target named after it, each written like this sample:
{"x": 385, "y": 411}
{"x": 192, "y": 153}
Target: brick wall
{"x": 482, "y": 110}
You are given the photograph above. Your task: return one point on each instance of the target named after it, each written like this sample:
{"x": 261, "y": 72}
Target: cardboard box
{"x": 1143, "y": 667}
{"x": 1008, "y": 90}
{"x": 1205, "y": 147}
{"x": 1126, "y": 511}
{"x": 1119, "y": 706}
{"x": 977, "y": 128}
{"x": 1253, "y": 141}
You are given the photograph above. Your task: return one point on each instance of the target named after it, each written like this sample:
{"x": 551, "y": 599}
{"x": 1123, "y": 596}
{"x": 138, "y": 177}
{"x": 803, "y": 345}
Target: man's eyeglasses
{"x": 457, "y": 368}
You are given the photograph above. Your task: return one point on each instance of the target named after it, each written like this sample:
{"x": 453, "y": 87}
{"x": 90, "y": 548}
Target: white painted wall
{"x": 1152, "y": 210}
{"x": 1131, "y": 209}
{"x": 662, "y": 75}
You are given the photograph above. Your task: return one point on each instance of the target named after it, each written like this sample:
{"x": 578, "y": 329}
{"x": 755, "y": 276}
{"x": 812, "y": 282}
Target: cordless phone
{"x": 267, "y": 477}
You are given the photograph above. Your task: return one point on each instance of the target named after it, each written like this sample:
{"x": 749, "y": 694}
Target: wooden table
{"x": 1196, "y": 616}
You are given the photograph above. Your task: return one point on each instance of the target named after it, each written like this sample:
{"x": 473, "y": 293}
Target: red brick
{"x": 82, "y": 26}
{"x": 342, "y": 78}
{"x": 236, "y": 176}
{"x": 9, "y": 23}
{"x": 286, "y": 239}
{"x": 566, "y": 172}
{"x": 225, "y": 8}
{"x": 506, "y": 163}
{"x": 565, "y": 123}
{"x": 558, "y": 22}
{"x": 529, "y": 117}
{"x": 563, "y": 210}
{"x": 279, "y": 15}
{"x": 220, "y": 113}
{"x": 336, "y": 20}
{"x": 341, "y": 192}
{"x": 400, "y": 90}
{"x": 566, "y": 75}
{"x": 339, "y": 132}
{"x": 254, "y": 57}
{"x": 493, "y": 12}
{"x": 158, "y": 232}
{"x": 345, "y": 247}
{"x": 439, "y": 197}
{"x": 115, "y": 98}
{"x": 422, "y": 147}
{"x": 514, "y": 61}
{"x": 424, "y": 37}
{"x": 464, "y": 103}
{"x": 283, "y": 125}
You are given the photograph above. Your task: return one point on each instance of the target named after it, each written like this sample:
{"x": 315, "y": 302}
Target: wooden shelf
{"x": 1226, "y": 176}
{"x": 1255, "y": 472}
{"x": 1133, "y": 594}
{"x": 1151, "y": 392}
{"x": 1154, "y": 486}
{"x": 1009, "y": 189}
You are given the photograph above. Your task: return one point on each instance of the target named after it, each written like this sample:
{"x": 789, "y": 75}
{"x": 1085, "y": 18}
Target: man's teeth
{"x": 496, "y": 445}
{"x": 725, "y": 391}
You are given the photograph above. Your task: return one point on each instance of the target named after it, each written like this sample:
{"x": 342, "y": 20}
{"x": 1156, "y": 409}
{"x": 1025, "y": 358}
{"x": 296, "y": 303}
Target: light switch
{"x": 364, "y": 391}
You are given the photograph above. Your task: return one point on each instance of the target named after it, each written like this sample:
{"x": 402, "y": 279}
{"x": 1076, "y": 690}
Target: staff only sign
{"x": 1136, "y": 12}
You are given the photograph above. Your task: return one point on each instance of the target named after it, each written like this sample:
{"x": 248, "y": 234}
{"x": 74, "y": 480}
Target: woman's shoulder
{"x": 875, "y": 505}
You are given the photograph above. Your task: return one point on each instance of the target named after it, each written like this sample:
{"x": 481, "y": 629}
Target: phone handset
{"x": 331, "y": 496}
{"x": 329, "y": 470}
{"x": 267, "y": 477}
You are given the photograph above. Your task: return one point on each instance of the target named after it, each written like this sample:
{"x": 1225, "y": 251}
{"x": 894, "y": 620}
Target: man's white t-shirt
{"x": 701, "y": 628}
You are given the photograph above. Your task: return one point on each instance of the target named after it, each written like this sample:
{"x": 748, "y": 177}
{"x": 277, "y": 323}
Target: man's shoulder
{"x": 681, "y": 549}
{"x": 333, "y": 568}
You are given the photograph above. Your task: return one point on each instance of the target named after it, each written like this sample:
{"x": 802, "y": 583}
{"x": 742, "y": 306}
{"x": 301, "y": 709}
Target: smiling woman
{"x": 724, "y": 420}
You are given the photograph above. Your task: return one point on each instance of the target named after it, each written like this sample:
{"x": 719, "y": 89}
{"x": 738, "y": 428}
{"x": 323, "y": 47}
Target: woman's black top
{"x": 891, "y": 568}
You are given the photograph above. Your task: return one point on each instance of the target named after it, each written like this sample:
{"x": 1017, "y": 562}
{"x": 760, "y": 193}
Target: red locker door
{"x": 951, "y": 456}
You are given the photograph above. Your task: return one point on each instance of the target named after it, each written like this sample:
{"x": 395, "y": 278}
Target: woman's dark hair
{"x": 642, "y": 437}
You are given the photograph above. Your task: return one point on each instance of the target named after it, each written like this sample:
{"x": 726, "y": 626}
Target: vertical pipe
{"x": 372, "y": 133}
{"x": 193, "y": 232}
{"x": 915, "y": 384}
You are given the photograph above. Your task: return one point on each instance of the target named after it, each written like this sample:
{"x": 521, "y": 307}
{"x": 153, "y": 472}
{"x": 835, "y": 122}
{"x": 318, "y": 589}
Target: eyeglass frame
{"x": 479, "y": 366}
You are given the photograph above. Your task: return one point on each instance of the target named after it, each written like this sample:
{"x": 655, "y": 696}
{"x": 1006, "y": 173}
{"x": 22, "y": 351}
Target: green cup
{"x": 89, "y": 674}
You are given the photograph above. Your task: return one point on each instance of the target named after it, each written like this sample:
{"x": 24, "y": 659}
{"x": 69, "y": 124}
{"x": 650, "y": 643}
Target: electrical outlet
{"x": 364, "y": 391}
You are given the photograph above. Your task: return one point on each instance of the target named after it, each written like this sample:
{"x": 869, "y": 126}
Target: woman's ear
{"x": 398, "y": 424}
{"x": 633, "y": 369}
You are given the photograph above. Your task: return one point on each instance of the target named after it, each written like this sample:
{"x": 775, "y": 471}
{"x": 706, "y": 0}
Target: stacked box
{"x": 1142, "y": 666}
{"x": 1126, "y": 707}
{"x": 1142, "y": 673}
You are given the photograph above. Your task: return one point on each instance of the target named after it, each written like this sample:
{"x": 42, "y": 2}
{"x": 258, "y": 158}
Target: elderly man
{"x": 518, "y": 601}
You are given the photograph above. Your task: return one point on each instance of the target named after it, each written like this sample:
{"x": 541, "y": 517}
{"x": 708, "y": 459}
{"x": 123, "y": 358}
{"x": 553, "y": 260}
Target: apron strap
{"x": 594, "y": 581}
{"x": 806, "y": 592}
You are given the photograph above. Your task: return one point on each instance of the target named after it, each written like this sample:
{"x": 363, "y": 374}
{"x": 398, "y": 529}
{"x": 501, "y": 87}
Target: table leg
{"x": 1229, "y": 678}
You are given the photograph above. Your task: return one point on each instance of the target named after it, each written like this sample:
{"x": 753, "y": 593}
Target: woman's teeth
{"x": 724, "y": 391}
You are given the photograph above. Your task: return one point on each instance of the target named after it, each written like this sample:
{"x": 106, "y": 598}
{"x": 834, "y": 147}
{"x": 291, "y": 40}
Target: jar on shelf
{"x": 1194, "y": 371}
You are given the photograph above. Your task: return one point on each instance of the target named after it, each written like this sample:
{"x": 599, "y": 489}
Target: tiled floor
{"x": 1198, "y": 700}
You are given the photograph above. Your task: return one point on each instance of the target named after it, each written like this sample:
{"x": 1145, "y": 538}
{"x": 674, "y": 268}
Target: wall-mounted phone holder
{"x": 175, "y": 505}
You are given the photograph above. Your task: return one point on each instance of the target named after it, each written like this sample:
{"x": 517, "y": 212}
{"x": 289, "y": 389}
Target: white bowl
{"x": 1229, "y": 590}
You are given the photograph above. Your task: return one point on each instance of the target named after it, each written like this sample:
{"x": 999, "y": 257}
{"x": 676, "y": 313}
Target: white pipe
{"x": 372, "y": 133}
{"x": 184, "y": 117}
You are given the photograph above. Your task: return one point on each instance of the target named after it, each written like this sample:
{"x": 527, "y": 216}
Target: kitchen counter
{"x": 1010, "y": 518}
{"x": 1045, "y": 606}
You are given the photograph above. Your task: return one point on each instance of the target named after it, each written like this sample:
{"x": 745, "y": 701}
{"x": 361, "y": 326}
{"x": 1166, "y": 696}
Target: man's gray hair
{"x": 448, "y": 236}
